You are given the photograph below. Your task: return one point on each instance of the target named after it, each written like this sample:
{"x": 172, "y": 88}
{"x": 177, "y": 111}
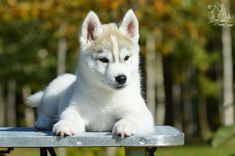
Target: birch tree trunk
{"x": 155, "y": 81}
{"x": 29, "y": 112}
{"x": 2, "y": 107}
{"x": 228, "y": 115}
{"x": 61, "y": 63}
{"x": 110, "y": 151}
{"x": 11, "y": 106}
{"x": 160, "y": 89}
{"x": 62, "y": 48}
{"x": 151, "y": 74}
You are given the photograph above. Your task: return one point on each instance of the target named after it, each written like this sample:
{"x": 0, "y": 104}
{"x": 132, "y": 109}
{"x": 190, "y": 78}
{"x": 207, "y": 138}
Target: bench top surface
{"x": 30, "y": 137}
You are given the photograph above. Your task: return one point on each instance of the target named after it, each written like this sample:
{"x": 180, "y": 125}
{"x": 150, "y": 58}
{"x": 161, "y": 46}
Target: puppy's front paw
{"x": 124, "y": 128}
{"x": 65, "y": 128}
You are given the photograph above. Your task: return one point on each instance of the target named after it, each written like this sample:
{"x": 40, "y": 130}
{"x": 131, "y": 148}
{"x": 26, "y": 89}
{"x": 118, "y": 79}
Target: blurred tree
{"x": 11, "y": 103}
{"x": 226, "y": 132}
{"x": 62, "y": 48}
{"x": 228, "y": 100}
{"x": 2, "y": 107}
{"x": 182, "y": 43}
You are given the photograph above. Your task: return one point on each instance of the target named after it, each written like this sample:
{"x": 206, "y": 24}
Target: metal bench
{"x": 19, "y": 137}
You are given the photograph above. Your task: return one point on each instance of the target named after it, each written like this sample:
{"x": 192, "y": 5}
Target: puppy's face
{"x": 110, "y": 53}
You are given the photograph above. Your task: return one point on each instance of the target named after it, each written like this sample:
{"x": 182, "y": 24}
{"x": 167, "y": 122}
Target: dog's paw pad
{"x": 123, "y": 129}
{"x": 64, "y": 128}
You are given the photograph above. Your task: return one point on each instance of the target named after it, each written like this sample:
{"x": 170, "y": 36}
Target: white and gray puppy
{"x": 105, "y": 93}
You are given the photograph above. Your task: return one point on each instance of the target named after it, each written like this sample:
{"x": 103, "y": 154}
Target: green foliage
{"x": 223, "y": 135}
{"x": 199, "y": 149}
{"x": 208, "y": 87}
{"x": 24, "y": 52}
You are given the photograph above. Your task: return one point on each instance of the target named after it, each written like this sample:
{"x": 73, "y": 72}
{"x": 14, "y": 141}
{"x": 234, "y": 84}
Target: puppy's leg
{"x": 44, "y": 122}
{"x": 47, "y": 111}
{"x": 136, "y": 123}
{"x": 48, "y": 108}
{"x": 70, "y": 123}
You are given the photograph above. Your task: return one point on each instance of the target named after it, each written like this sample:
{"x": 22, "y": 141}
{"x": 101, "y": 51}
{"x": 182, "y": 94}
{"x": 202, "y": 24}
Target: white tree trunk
{"x": 228, "y": 115}
{"x": 227, "y": 77}
{"x": 61, "y": 63}
{"x": 29, "y": 112}
{"x": 151, "y": 74}
{"x": 110, "y": 151}
{"x": 160, "y": 89}
{"x": 155, "y": 81}
{"x": 62, "y": 48}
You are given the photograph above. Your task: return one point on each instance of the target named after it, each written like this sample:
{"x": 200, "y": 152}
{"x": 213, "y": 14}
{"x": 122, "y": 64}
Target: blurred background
{"x": 186, "y": 62}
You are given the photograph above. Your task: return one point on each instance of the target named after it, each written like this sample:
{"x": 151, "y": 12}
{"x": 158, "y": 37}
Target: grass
{"x": 197, "y": 150}
{"x": 187, "y": 150}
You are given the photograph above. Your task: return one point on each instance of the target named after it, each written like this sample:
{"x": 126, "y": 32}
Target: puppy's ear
{"x": 130, "y": 26}
{"x": 91, "y": 28}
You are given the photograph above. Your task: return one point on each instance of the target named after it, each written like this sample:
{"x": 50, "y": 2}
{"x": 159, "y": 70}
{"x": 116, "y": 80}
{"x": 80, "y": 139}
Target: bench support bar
{"x": 43, "y": 151}
{"x": 4, "y": 152}
{"x": 140, "y": 151}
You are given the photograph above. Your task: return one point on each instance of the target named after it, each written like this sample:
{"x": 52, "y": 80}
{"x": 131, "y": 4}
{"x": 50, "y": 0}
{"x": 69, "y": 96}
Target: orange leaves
{"x": 190, "y": 28}
{"x": 177, "y": 2}
{"x": 139, "y": 14}
{"x": 161, "y": 7}
{"x": 12, "y": 2}
{"x": 111, "y": 3}
{"x": 72, "y": 29}
{"x": 166, "y": 47}
{"x": 116, "y": 4}
{"x": 35, "y": 9}
{"x": 25, "y": 11}
{"x": 168, "y": 17}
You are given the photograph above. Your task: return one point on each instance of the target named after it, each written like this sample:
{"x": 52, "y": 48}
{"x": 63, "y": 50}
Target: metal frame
{"x": 44, "y": 150}
{"x": 134, "y": 146}
{"x": 4, "y": 152}
{"x": 140, "y": 151}
{"x": 129, "y": 151}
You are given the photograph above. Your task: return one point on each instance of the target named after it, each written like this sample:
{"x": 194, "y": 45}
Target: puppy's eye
{"x": 99, "y": 51}
{"x": 126, "y": 58}
{"x": 103, "y": 60}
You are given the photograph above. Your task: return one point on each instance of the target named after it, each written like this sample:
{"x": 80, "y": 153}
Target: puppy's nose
{"x": 121, "y": 79}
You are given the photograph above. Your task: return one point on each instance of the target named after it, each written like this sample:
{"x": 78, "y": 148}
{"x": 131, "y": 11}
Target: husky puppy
{"x": 104, "y": 94}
